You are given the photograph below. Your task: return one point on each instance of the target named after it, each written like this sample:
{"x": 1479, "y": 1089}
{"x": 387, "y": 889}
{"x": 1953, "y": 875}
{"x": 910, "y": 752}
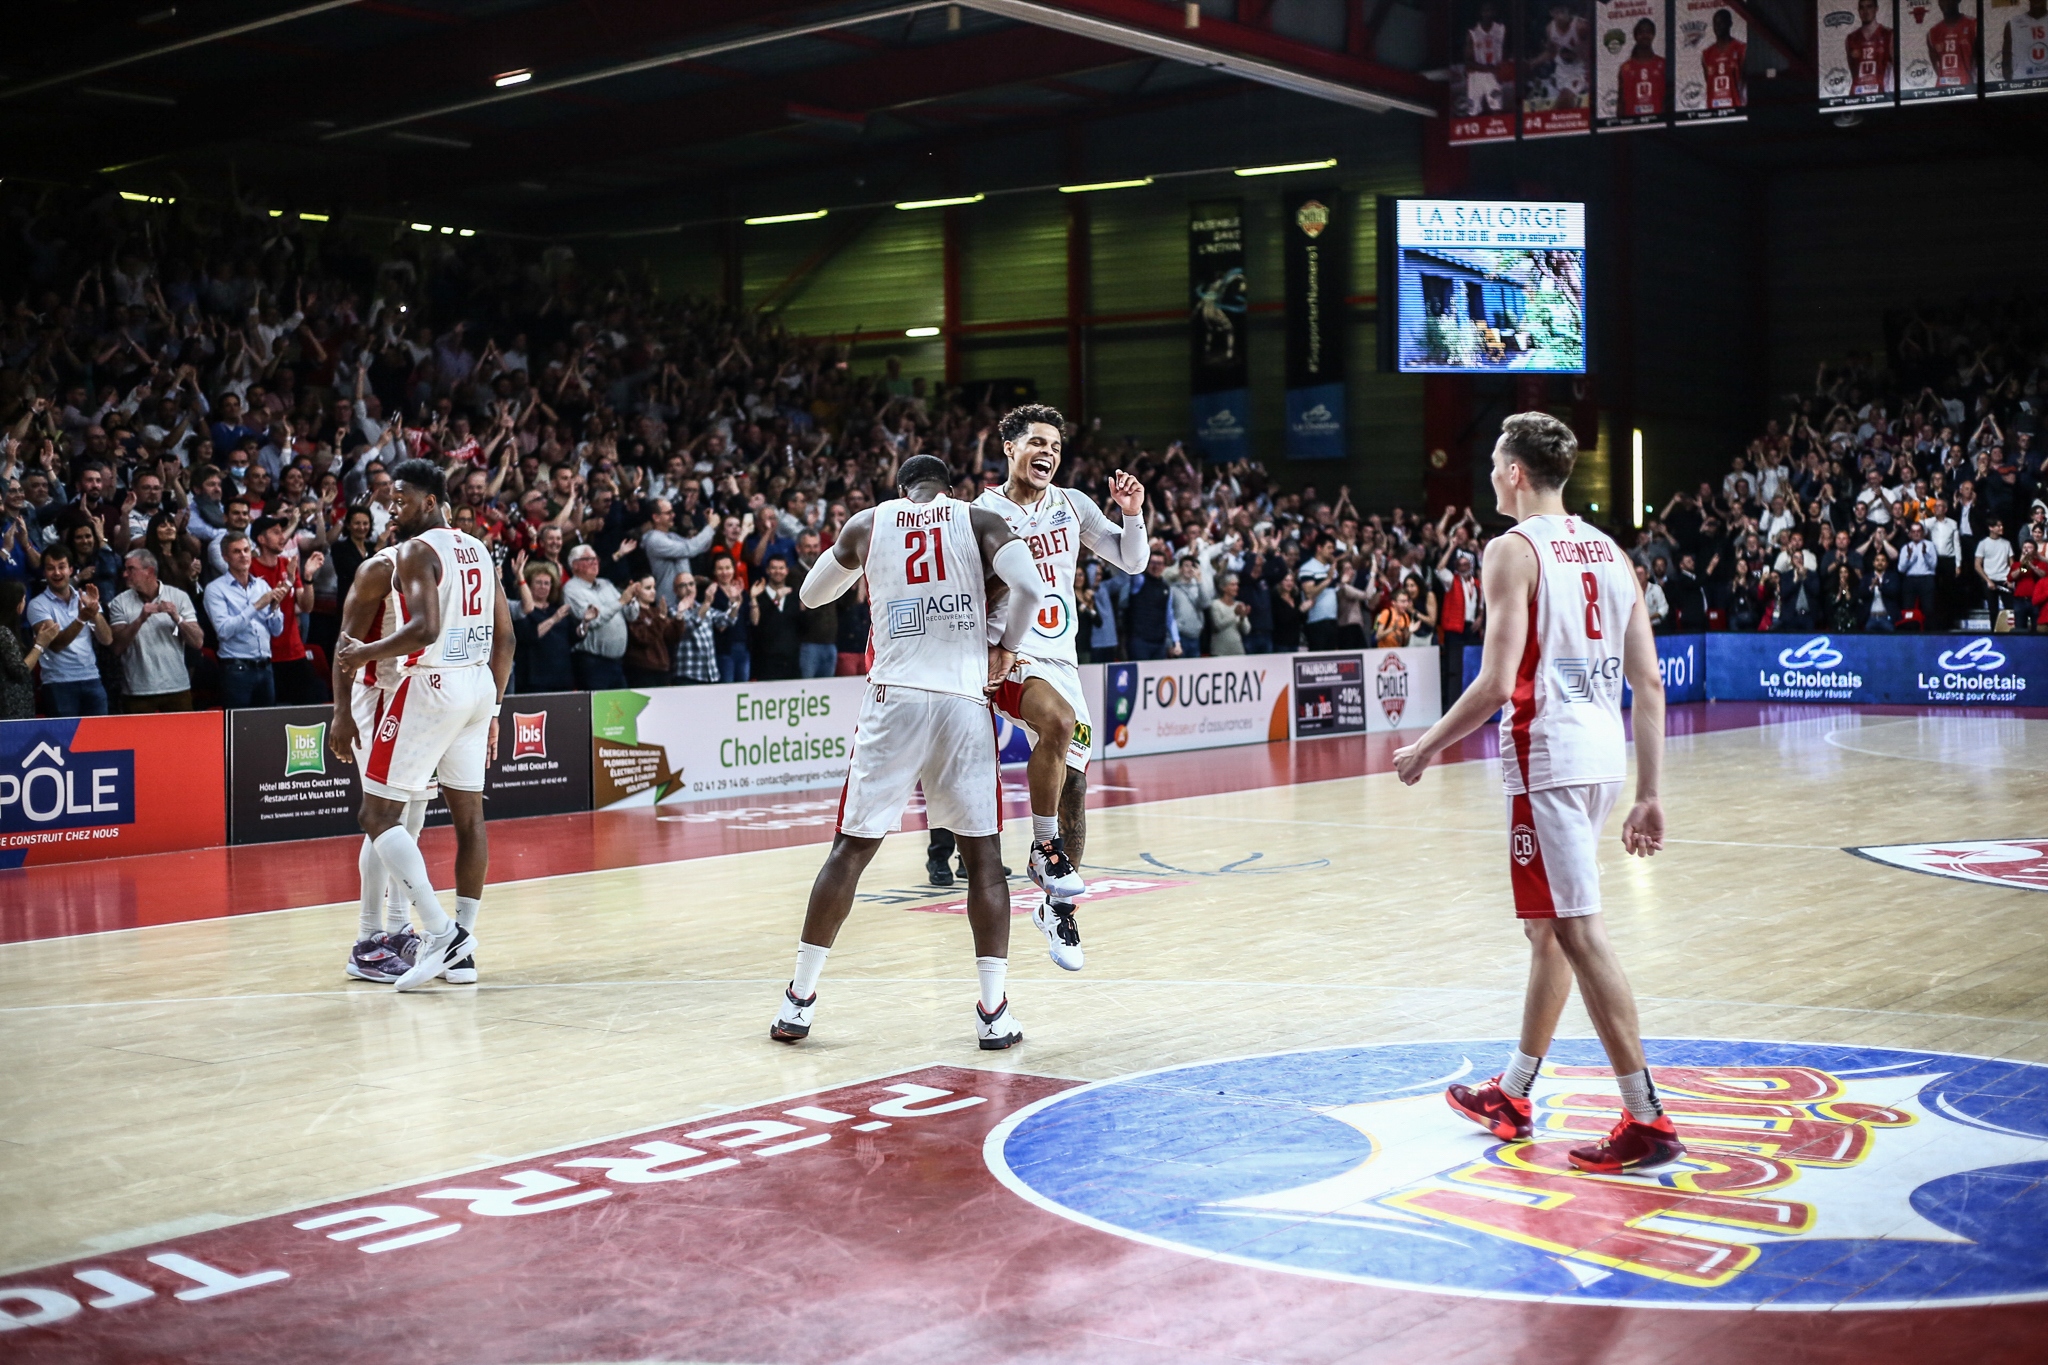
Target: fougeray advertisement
{"x": 690, "y": 743}
{"x": 1173, "y": 704}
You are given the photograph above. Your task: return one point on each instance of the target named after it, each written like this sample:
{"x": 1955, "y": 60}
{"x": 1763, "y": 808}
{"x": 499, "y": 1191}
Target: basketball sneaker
{"x": 461, "y": 973}
{"x": 1493, "y": 1109}
{"x": 938, "y": 872}
{"x": 999, "y": 1030}
{"x": 1632, "y": 1145}
{"x": 793, "y": 1021}
{"x": 374, "y": 960}
{"x": 435, "y": 953}
{"x": 1055, "y": 919}
{"x": 1053, "y": 872}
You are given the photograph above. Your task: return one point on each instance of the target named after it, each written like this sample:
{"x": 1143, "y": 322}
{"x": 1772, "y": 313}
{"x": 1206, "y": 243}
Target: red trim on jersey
{"x": 1009, "y": 700}
{"x": 378, "y": 769}
{"x": 1530, "y": 878}
{"x": 1523, "y": 700}
{"x": 376, "y": 633}
{"x": 839, "y": 819}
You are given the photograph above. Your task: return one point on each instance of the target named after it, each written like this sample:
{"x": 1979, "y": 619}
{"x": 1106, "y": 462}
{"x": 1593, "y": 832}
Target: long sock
{"x": 396, "y": 904}
{"x": 1639, "y": 1095}
{"x": 1520, "y": 1075}
{"x": 810, "y": 964}
{"x": 465, "y": 910}
{"x": 992, "y": 971}
{"x": 1044, "y": 828}
{"x": 371, "y": 868}
{"x": 402, "y": 856}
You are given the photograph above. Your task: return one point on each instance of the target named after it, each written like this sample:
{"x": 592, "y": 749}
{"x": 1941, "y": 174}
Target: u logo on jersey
{"x": 1055, "y": 617}
{"x": 1816, "y": 1176}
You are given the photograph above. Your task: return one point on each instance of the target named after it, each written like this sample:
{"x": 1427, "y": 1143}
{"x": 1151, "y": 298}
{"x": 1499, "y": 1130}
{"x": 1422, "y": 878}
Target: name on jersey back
{"x": 1583, "y": 551}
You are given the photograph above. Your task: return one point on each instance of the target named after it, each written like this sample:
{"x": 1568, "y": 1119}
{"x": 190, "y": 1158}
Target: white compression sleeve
{"x": 1014, "y": 565}
{"x": 826, "y": 581}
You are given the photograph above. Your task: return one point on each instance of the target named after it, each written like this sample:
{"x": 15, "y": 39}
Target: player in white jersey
{"x": 2026, "y": 44}
{"x": 1043, "y": 691}
{"x": 371, "y": 611}
{"x": 453, "y": 653}
{"x": 930, "y": 561}
{"x": 1565, "y": 625}
{"x": 1486, "y": 50}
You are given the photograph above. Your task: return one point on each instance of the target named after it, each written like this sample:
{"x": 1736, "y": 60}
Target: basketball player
{"x": 454, "y": 657}
{"x": 1642, "y": 75}
{"x": 1043, "y": 692}
{"x": 930, "y": 561}
{"x": 2026, "y": 44}
{"x": 1564, "y": 626}
{"x": 1721, "y": 65}
{"x": 1565, "y": 43}
{"x": 372, "y": 611}
{"x": 1486, "y": 50}
{"x": 1952, "y": 47}
{"x": 1869, "y": 49}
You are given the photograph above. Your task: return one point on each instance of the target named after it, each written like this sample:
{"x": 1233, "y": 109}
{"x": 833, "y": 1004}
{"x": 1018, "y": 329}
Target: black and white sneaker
{"x": 999, "y": 1030}
{"x": 434, "y": 955}
{"x": 1054, "y": 871}
{"x": 1055, "y": 919}
{"x": 463, "y": 973}
{"x": 793, "y": 1021}
{"x": 937, "y": 872}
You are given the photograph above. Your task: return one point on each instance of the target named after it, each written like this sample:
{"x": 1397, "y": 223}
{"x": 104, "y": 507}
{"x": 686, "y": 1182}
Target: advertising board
{"x": 694, "y": 743}
{"x": 82, "y": 788}
{"x": 1167, "y": 705}
{"x": 1937, "y": 670}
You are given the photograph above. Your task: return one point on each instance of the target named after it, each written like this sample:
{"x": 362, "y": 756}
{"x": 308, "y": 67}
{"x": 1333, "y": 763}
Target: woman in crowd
{"x": 1228, "y": 618}
{"x": 1287, "y": 616}
{"x": 1845, "y": 601}
{"x": 17, "y": 665}
{"x": 93, "y": 564}
{"x": 729, "y": 612}
{"x": 545, "y": 633}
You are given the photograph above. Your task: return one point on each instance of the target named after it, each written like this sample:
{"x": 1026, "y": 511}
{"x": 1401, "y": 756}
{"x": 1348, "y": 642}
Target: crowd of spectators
{"x": 199, "y": 413}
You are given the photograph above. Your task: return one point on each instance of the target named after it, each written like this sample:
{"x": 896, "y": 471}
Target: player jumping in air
{"x": 1565, "y": 625}
{"x": 931, "y": 562}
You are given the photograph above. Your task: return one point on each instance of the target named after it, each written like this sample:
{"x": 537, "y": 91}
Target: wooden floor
{"x": 169, "y": 1084}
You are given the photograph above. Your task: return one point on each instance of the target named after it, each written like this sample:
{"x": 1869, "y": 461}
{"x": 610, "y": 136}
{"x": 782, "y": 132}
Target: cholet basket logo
{"x": 1817, "y": 1177}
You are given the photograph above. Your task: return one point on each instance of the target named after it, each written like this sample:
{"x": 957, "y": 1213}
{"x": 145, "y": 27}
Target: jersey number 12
{"x": 472, "y": 592}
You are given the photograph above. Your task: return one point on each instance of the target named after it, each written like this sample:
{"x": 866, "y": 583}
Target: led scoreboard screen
{"x": 1484, "y": 284}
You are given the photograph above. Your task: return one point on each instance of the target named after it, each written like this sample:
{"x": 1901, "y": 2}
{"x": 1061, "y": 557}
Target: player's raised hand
{"x": 1410, "y": 763}
{"x": 1642, "y": 833}
{"x": 1127, "y": 493}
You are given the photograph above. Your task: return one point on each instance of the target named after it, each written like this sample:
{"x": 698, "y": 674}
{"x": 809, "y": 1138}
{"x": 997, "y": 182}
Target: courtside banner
{"x": 1403, "y": 689}
{"x": 93, "y": 787}
{"x": 1681, "y": 662}
{"x": 285, "y": 783}
{"x": 723, "y": 739}
{"x": 1933, "y": 670}
{"x": 1329, "y": 695}
{"x": 1166, "y": 705}
{"x": 1713, "y": 45}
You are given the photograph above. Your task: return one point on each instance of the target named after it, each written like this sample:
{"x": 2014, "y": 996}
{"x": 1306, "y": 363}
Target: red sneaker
{"x": 1493, "y": 1109}
{"x": 1631, "y": 1146}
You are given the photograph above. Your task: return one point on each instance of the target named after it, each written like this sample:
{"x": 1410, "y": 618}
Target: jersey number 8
{"x": 1591, "y": 585}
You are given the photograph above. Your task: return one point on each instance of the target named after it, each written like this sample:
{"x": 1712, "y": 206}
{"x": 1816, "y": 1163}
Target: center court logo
{"x": 1979, "y": 654}
{"x": 1817, "y": 653}
{"x": 1818, "y": 1177}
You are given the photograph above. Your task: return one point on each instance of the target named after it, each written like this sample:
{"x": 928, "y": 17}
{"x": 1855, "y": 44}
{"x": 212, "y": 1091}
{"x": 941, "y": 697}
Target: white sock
{"x": 371, "y": 869}
{"x": 810, "y": 964}
{"x": 1639, "y": 1096}
{"x": 402, "y": 857}
{"x": 1044, "y": 828}
{"x": 465, "y": 910}
{"x": 992, "y": 971}
{"x": 397, "y": 906}
{"x": 1520, "y": 1075}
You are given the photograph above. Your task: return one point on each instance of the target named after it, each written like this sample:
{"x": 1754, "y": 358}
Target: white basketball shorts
{"x": 906, "y": 736}
{"x": 1554, "y": 849}
{"x": 437, "y": 721}
{"x": 1066, "y": 680}
{"x": 367, "y": 705}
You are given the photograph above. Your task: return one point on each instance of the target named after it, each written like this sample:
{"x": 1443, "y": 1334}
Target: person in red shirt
{"x": 1721, "y": 63}
{"x": 1952, "y": 47}
{"x": 1869, "y": 49}
{"x": 277, "y": 563}
{"x": 1642, "y": 75}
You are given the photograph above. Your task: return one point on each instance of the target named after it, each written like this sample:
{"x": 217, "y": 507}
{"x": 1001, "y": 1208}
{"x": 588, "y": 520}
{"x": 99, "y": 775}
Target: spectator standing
{"x": 669, "y": 552}
{"x": 604, "y": 612}
{"x": 729, "y": 625}
{"x": 18, "y": 665}
{"x": 1190, "y": 597}
{"x": 1149, "y": 623}
{"x": 153, "y": 624}
{"x": 1461, "y": 618}
{"x": 775, "y": 623}
{"x": 1884, "y": 591}
{"x": 1654, "y": 600}
{"x": 651, "y": 638}
{"x": 546, "y": 634}
{"x": 1916, "y": 574}
{"x": 246, "y": 618}
{"x": 1229, "y": 619}
{"x": 818, "y": 641}
{"x": 1994, "y": 567}
{"x": 696, "y": 652}
{"x": 1796, "y": 597}
{"x": 277, "y": 563}
{"x": 1845, "y": 601}
{"x": 1287, "y": 615}
{"x": 71, "y": 670}
{"x": 1686, "y": 591}
{"x": 852, "y": 610}
{"x": 1946, "y": 537}
{"x": 1395, "y": 625}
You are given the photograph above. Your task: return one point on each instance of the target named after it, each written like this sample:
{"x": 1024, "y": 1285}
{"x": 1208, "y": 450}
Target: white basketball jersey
{"x": 925, "y": 598}
{"x": 1052, "y": 528}
{"x": 1562, "y": 726}
{"x": 1489, "y": 44}
{"x": 2029, "y": 48}
{"x": 389, "y": 616}
{"x": 469, "y": 600}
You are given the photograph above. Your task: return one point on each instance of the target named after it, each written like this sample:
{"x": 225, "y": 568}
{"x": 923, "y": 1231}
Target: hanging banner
{"x": 1937, "y": 50}
{"x": 2015, "y": 46}
{"x": 1629, "y": 65}
{"x": 1557, "y": 78}
{"x": 1318, "y": 272}
{"x": 1858, "y": 52}
{"x": 1482, "y": 72}
{"x": 1713, "y": 43}
{"x": 1220, "y": 382}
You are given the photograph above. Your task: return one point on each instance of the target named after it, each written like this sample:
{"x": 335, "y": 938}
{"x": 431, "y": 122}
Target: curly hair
{"x": 1542, "y": 445}
{"x": 1017, "y": 421}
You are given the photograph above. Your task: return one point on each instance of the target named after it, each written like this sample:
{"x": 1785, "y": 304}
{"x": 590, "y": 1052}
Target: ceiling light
{"x": 519, "y": 77}
{"x": 449, "y": 231}
{"x": 422, "y": 227}
{"x": 277, "y": 213}
{"x": 920, "y": 331}
{"x": 432, "y": 140}
{"x": 312, "y": 217}
{"x": 466, "y": 232}
{"x": 942, "y": 203}
{"x": 785, "y": 218}
{"x": 128, "y": 96}
{"x": 1105, "y": 185}
{"x": 1292, "y": 166}
{"x": 132, "y": 197}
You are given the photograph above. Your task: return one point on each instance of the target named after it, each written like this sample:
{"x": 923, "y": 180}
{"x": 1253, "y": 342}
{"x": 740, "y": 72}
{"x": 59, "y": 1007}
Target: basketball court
{"x": 1222, "y": 1141}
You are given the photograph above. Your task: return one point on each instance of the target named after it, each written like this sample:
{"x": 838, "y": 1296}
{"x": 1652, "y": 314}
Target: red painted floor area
{"x": 167, "y": 888}
{"x": 860, "y": 1224}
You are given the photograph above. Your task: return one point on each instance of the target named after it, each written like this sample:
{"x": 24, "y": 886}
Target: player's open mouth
{"x": 1042, "y": 467}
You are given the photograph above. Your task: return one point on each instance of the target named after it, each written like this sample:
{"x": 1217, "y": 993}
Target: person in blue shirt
{"x": 71, "y": 668}
{"x": 246, "y": 618}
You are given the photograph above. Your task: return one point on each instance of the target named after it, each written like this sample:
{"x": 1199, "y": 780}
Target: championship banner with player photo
{"x": 1317, "y": 264}
{"x": 1713, "y": 44}
{"x": 1858, "y": 53}
{"x": 1631, "y": 40}
{"x": 78, "y": 789}
{"x": 2015, "y": 46}
{"x": 1557, "y": 77}
{"x": 1937, "y": 50}
{"x": 1220, "y": 380}
{"x": 696, "y": 743}
{"x": 283, "y": 782}
{"x": 1168, "y": 705}
{"x": 1482, "y": 72}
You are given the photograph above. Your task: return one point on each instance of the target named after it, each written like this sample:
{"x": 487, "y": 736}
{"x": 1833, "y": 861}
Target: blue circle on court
{"x": 1817, "y": 1177}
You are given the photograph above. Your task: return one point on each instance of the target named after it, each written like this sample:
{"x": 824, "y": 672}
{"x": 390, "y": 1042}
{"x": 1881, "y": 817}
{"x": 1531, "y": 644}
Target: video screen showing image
{"x": 1490, "y": 285}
